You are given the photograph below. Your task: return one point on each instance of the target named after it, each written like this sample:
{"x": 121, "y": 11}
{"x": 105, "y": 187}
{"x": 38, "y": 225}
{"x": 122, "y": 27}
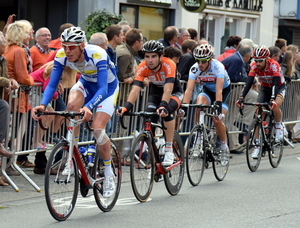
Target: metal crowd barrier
{"x": 22, "y": 130}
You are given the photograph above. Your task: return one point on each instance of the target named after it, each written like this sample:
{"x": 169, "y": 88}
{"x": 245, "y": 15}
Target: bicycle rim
{"x": 174, "y": 178}
{"x": 275, "y": 154}
{"x": 195, "y": 156}
{"x": 60, "y": 193}
{"x": 106, "y": 204}
{"x": 142, "y": 167}
{"x": 251, "y": 144}
{"x": 220, "y": 160}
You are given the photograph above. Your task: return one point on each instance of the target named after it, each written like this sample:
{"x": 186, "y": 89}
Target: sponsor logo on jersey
{"x": 96, "y": 56}
{"x": 60, "y": 54}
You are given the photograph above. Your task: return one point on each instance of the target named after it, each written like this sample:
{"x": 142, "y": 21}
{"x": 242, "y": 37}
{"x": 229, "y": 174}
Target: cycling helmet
{"x": 153, "y": 46}
{"x": 73, "y": 34}
{"x": 203, "y": 51}
{"x": 261, "y": 52}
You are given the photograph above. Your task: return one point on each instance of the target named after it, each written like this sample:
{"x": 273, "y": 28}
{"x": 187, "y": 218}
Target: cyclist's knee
{"x": 100, "y": 136}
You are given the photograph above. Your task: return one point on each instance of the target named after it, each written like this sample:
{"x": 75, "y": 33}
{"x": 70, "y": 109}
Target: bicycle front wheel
{"x": 174, "y": 178}
{"x": 254, "y": 145}
{"x": 195, "y": 155}
{"x": 275, "y": 154}
{"x": 142, "y": 167}
{"x": 220, "y": 158}
{"x": 106, "y": 204}
{"x": 60, "y": 191}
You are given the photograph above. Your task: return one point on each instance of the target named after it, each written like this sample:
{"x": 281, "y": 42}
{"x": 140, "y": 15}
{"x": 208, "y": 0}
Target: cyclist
{"x": 165, "y": 92}
{"x": 216, "y": 87}
{"x": 96, "y": 88}
{"x": 272, "y": 87}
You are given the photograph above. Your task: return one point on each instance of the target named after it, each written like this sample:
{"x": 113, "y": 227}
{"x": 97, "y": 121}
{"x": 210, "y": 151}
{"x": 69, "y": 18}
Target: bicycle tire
{"x": 174, "y": 178}
{"x": 142, "y": 167}
{"x": 275, "y": 154}
{"x": 195, "y": 159}
{"x": 60, "y": 194}
{"x": 106, "y": 204}
{"x": 253, "y": 163}
{"x": 220, "y": 161}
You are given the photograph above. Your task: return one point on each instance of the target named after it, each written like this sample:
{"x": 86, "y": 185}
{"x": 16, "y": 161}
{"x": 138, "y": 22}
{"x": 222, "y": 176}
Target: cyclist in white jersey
{"x": 97, "y": 88}
{"x": 216, "y": 87}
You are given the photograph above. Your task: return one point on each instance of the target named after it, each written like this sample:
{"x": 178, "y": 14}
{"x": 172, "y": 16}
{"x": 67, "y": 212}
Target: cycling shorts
{"x": 266, "y": 93}
{"x": 211, "y": 96}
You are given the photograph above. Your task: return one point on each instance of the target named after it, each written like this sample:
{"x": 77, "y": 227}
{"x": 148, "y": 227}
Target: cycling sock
{"x": 108, "y": 171}
{"x": 168, "y": 147}
{"x": 278, "y": 125}
{"x": 224, "y": 145}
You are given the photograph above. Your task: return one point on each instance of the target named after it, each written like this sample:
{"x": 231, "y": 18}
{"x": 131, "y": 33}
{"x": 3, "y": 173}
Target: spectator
{"x": 249, "y": 42}
{"x": 282, "y": 44}
{"x": 294, "y": 49}
{"x": 288, "y": 66}
{"x": 184, "y": 35}
{"x": 56, "y": 44}
{"x": 115, "y": 36}
{"x": 188, "y": 45}
{"x": 17, "y": 55}
{"x": 236, "y": 63}
{"x": 100, "y": 39}
{"x": 125, "y": 28}
{"x": 297, "y": 66}
{"x": 41, "y": 51}
{"x": 171, "y": 35}
{"x": 274, "y": 53}
{"x": 193, "y": 33}
{"x": 173, "y": 53}
{"x": 231, "y": 46}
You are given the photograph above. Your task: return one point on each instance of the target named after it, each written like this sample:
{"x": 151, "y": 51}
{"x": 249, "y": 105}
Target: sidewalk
{"x": 9, "y": 195}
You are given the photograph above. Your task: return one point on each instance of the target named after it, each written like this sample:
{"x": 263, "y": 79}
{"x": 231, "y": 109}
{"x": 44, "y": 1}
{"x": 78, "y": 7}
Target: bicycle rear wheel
{"x": 106, "y": 204}
{"x": 174, "y": 178}
{"x": 60, "y": 192}
{"x": 142, "y": 167}
{"x": 195, "y": 156}
{"x": 275, "y": 154}
{"x": 220, "y": 159}
{"x": 252, "y": 144}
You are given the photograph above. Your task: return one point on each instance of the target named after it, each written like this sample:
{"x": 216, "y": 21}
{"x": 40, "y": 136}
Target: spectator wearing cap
{"x": 231, "y": 46}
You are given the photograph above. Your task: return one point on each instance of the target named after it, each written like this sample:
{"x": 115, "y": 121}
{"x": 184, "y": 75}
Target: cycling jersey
{"x": 166, "y": 74}
{"x": 98, "y": 70}
{"x": 266, "y": 76}
{"x": 209, "y": 78}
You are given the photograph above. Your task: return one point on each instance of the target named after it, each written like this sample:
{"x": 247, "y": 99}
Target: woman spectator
{"x": 18, "y": 36}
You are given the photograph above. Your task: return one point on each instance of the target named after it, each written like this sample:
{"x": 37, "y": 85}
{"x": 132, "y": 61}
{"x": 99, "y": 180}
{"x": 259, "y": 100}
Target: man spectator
{"x": 184, "y": 35}
{"x": 125, "y": 28}
{"x": 40, "y": 52}
{"x": 171, "y": 35}
{"x": 231, "y": 46}
{"x": 187, "y": 59}
{"x": 274, "y": 53}
{"x": 100, "y": 39}
{"x": 282, "y": 44}
{"x": 193, "y": 33}
{"x": 236, "y": 63}
{"x": 56, "y": 44}
{"x": 115, "y": 37}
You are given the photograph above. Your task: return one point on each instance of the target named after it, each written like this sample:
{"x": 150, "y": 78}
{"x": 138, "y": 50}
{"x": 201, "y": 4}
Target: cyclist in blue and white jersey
{"x": 97, "y": 88}
{"x": 216, "y": 87}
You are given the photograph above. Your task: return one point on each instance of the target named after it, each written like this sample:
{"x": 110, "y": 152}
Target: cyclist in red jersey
{"x": 165, "y": 93}
{"x": 272, "y": 88}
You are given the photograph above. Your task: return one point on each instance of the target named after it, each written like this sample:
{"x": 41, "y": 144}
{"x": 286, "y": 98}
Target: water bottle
{"x": 161, "y": 145}
{"x": 265, "y": 126}
{"x": 83, "y": 153}
{"x": 91, "y": 155}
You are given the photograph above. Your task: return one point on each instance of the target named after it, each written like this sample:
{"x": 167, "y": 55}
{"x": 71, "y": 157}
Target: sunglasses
{"x": 70, "y": 47}
{"x": 202, "y": 61}
{"x": 259, "y": 60}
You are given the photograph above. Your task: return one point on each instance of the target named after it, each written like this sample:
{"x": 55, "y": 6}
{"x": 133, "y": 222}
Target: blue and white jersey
{"x": 98, "y": 71}
{"x": 209, "y": 78}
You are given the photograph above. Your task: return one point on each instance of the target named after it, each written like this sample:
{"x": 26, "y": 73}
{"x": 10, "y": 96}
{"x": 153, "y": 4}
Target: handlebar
{"x": 142, "y": 114}
{"x": 254, "y": 104}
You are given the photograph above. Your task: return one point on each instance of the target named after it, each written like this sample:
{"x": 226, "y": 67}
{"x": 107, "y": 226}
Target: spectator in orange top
{"x": 18, "y": 36}
{"x": 41, "y": 51}
{"x": 231, "y": 46}
{"x": 56, "y": 44}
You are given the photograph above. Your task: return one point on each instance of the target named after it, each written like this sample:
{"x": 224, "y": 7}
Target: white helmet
{"x": 73, "y": 34}
{"x": 203, "y": 51}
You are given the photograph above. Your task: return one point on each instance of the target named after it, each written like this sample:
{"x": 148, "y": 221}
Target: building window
{"x": 152, "y": 21}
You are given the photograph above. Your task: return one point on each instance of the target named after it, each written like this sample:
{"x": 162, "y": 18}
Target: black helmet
{"x": 153, "y": 46}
